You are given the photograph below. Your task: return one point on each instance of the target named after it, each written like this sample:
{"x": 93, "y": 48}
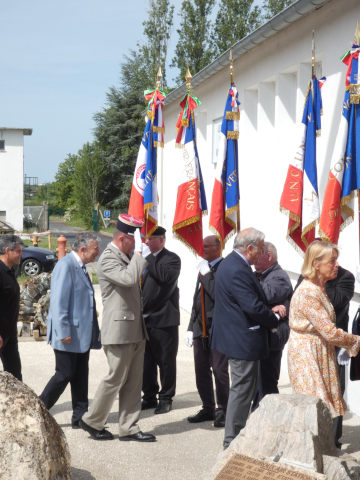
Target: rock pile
{"x": 299, "y": 427}
{"x": 32, "y": 445}
{"x": 35, "y": 301}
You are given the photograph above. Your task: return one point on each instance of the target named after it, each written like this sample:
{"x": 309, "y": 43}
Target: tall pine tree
{"x": 194, "y": 37}
{"x": 235, "y": 19}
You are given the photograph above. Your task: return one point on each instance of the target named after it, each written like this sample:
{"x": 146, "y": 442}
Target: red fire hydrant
{"x": 61, "y": 241}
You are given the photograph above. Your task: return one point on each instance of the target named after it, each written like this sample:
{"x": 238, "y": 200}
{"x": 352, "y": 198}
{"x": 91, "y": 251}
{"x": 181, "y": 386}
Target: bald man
{"x": 208, "y": 362}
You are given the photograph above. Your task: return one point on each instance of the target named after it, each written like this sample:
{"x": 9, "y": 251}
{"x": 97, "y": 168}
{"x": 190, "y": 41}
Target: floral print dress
{"x": 311, "y": 353}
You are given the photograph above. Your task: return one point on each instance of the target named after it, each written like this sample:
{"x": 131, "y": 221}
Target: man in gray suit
{"x": 123, "y": 335}
{"x": 72, "y": 325}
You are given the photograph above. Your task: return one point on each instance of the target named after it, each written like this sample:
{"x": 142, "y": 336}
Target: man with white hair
{"x": 241, "y": 324}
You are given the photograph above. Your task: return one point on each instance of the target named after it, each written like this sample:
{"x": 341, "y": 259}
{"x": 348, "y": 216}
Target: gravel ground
{"x": 183, "y": 451}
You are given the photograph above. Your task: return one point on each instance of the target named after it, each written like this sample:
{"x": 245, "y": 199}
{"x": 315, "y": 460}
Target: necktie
{"x": 87, "y": 276}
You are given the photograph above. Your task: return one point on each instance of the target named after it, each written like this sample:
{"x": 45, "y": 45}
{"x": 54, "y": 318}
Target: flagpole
{"x": 313, "y": 68}
{"x": 232, "y": 81}
{"x": 357, "y": 41}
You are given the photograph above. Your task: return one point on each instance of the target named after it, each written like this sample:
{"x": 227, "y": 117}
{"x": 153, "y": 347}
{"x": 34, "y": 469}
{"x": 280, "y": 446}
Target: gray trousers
{"x": 244, "y": 377}
{"x": 126, "y": 363}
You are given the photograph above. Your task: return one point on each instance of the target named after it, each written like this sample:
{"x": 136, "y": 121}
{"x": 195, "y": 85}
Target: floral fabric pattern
{"x": 311, "y": 353}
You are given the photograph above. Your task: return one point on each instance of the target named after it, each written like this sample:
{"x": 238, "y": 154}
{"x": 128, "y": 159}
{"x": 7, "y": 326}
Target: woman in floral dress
{"x": 313, "y": 338}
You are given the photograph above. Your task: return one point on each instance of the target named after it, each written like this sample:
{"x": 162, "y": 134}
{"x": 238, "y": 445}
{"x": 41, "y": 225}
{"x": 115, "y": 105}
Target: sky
{"x": 58, "y": 60}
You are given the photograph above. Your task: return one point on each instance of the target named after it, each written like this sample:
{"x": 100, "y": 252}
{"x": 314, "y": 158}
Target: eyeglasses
{"x": 154, "y": 238}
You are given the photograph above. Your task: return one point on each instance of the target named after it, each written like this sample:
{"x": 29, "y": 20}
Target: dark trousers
{"x": 160, "y": 351}
{"x": 70, "y": 368}
{"x": 338, "y": 421}
{"x": 244, "y": 376}
{"x": 208, "y": 363}
{"x": 9, "y": 354}
{"x": 268, "y": 377}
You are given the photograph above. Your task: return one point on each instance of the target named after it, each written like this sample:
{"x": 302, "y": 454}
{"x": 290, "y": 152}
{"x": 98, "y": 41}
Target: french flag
{"x": 225, "y": 213}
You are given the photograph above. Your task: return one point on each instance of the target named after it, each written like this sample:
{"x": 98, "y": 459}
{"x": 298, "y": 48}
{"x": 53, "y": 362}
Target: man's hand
{"x": 66, "y": 340}
{"x": 202, "y": 266}
{"x": 138, "y": 241}
{"x": 145, "y": 251}
{"x": 1, "y": 341}
{"x": 189, "y": 339}
{"x": 280, "y": 309}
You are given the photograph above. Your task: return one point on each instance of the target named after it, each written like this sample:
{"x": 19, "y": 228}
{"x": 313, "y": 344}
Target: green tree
{"x": 235, "y": 19}
{"x": 119, "y": 129}
{"x": 64, "y": 181}
{"x": 194, "y": 38}
{"x": 273, "y": 7}
{"x": 87, "y": 179}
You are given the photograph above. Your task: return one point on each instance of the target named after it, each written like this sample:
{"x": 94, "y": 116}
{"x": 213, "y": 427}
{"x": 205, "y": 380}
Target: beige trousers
{"x": 126, "y": 363}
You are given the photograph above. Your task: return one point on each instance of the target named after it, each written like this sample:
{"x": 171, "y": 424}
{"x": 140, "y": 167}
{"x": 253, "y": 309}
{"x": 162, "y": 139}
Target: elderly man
{"x": 123, "y": 335}
{"x": 278, "y": 290}
{"x": 162, "y": 320}
{"x": 208, "y": 362}
{"x": 241, "y": 324}
{"x": 10, "y": 255}
{"x": 72, "y": 325}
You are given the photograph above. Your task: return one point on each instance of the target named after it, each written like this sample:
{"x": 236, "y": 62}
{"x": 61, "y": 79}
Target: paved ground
{"x": 183, "y": 451}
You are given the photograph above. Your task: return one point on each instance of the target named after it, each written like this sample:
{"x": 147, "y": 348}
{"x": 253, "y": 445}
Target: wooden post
{"x": 49, "y": 239}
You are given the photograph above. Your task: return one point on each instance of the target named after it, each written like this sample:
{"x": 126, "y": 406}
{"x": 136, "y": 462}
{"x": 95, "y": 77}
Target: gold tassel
{"x": 232, "y": 116}
{"x": 159, "y": 129}
{"x": 233, "y": 135}
{"x": 159, "y": 144}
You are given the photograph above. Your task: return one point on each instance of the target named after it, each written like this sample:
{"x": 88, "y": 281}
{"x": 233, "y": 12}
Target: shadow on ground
{"x": 350, "y": 438}
{"x": 78, "y": 474}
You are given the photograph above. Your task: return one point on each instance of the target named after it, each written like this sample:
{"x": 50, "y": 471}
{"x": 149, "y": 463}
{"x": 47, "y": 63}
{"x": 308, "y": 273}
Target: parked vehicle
{"x": 36, "y": 260}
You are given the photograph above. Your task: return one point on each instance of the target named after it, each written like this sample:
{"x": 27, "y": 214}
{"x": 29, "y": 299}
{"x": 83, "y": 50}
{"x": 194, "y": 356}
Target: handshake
{"x": 140, "y": 247}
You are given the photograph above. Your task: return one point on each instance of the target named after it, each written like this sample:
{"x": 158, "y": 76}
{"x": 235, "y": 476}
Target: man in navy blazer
{"x": 241, "y": 324}
{"x": 73, "y": 327}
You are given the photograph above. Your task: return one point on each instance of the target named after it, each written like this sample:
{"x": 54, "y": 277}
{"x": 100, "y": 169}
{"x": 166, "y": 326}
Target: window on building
{"x": 2, "y": 216}
{"x": 2, "y": 144}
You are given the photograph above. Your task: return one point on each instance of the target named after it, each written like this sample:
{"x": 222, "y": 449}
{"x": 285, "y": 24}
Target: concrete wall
{"x": 272, "y": 82}
{"x": 12, "y": 177}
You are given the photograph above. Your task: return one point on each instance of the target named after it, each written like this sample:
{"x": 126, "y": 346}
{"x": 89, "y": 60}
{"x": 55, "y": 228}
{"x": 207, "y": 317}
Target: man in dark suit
{"x": 162, "y": 320}
{"x": 278, "y": 290}
{"x": 241, "y": 324}
{"x": 208, "y": 362}
{"x": 340, "y": 291}
{"x": 73, "y": 326}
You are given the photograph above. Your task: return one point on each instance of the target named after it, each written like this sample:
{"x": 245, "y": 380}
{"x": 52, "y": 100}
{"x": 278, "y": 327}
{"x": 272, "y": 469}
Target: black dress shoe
{"x": 163, "y": 408}
{"x": 75, "y": 425}
{"x": 201, "y": 416}
{"x": 147, "y": 404}
{"x": 138, "y": 437}
{"x": 96, "y": 434}
{"x": 219, "y": 420}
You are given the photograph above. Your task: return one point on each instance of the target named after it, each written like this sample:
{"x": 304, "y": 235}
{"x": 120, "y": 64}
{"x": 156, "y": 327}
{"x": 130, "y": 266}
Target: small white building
{"x": 12, "y": 175}
{"x": 272, "y": 68}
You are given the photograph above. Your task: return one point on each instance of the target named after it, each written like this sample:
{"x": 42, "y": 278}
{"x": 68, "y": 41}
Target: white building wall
{"x": 272, "y": 82}
{"x": 12, "y": 177}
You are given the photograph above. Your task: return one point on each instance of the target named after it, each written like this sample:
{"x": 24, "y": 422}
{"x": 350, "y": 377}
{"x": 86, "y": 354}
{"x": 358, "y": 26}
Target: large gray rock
{"x": 32, "y": 445}
{"x": 299, "y": 426}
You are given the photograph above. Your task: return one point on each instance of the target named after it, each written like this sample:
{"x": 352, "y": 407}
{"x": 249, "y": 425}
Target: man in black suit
{"x": 241, "y": 324}
{"x": 162, "y": 319}
{"x": 208, "y": 362}
{"x": 340, "y": 291}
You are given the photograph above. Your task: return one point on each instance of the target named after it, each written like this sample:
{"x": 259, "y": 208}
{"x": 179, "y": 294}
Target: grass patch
{"x": 94, "y": 279}
{"x": 75, "y": 222}
{"x": 44, "y": 242}
{"x": 22, "y": 278}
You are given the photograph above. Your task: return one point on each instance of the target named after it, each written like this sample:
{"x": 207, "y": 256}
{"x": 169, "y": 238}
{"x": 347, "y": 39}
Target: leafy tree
{"x": 87, "y": 179}
{"x": 118, "y": 132}
{"x": 64, "y": 181}
{"x": 194, "y": 37}
{"x": 273, "y": 7}
{"x": 235, "y": 19}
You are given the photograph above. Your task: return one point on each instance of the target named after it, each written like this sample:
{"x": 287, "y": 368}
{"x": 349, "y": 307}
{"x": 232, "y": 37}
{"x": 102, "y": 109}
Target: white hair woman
{"x": 313, "y": 337}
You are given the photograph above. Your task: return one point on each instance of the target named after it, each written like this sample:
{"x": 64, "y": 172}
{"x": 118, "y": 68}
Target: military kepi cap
{"x": 128, "y": 224}
{"x": 159, "y": 232}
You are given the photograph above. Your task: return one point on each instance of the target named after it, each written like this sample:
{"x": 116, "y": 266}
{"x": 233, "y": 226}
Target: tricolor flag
{"x": 191, "y": 200}
{"x": 144, "y": 198}
{"x": 225, "y": 214}
{"x": 344, "y": 177}
{"x": 300, "y": 196}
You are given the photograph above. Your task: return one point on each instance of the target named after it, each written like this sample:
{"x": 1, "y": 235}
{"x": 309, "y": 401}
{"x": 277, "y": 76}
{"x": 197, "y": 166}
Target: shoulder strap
{"x": 159, "y": 306}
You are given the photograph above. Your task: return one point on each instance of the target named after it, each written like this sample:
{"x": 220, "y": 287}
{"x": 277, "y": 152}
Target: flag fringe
{"x": 179, "y": 145}
{"x": 159, "y": 129}
{"x": 307, "y": 229}
{"x": 232, "y": 135}
{"x": 152, "y": 230}
{"x": 187, "y": 244}
{"x": 232, "y": 116}
{"x": 159, "y": 144}
{"x": 355, "y": 99}
{"x": 293, "y": 216}
{"x": 218, "y": 236}
{"x": 185, "y": 223}
{"x": 323, "y": 236}
{"x": 295, "y": 246}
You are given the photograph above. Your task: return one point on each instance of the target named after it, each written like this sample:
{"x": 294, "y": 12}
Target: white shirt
{"x": 78, "y": 259}
{"x": 214, "y": 262}
{"x": 157, "y": 253}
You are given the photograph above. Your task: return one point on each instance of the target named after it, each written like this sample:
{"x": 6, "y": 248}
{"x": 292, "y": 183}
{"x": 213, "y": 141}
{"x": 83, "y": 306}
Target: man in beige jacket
{"x": 123, "y": 335}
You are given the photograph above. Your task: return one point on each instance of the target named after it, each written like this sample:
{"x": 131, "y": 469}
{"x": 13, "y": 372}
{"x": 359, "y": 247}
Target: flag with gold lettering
{"x": 344, "y": 177}
{"x": 191, "y": 199}
{"x": 300, "y": 196}
{"x": 144, "y": 197}
{"x": 225, "y": 214}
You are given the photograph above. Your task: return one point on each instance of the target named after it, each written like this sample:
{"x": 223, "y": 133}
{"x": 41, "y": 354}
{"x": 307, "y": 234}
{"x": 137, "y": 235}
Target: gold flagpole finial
{"x": 313, "y": 56}
{"x": 357, "y": 35}
{"x": 159, "y": 75}
{"x": 188, "y": 76}
{"x": 231, "y": 67}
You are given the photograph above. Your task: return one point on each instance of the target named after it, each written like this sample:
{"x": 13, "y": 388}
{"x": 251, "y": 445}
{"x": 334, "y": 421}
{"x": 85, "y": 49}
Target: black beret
{"x": 159, "y": 232}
